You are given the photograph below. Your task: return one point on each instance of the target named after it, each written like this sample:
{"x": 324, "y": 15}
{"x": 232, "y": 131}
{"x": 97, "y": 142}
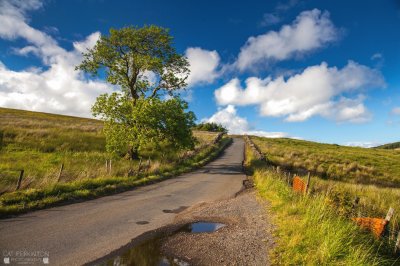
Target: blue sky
{"x": 326, "y": 71}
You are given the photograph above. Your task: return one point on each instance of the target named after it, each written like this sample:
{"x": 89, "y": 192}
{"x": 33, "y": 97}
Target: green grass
{"x": 376, "y": 193}
{"x": 394, "y": 145}
{"x": 39, "y": 143}
{"x": 349, "y": 164}
{"x": 30, "y": 199}
{"x": 309, "y": 230}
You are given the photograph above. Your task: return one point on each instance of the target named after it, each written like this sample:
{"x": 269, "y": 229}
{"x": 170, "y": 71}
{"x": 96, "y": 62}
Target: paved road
{"x": 81, "y": 232}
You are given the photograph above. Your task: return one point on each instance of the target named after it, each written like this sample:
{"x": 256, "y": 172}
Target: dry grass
{"x": 309, "y": 230}
{"x": 39, "y": 143}
{"x": 350, "y": 164}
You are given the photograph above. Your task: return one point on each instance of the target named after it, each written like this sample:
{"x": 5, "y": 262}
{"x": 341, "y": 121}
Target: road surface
{"x": 82, "y": 232}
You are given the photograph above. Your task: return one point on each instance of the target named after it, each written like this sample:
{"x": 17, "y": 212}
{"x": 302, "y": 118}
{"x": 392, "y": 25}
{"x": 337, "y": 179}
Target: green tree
{"x": 211, "y": 126}
{"x": 149, "y": 121}
{"x": 145, "y": 65}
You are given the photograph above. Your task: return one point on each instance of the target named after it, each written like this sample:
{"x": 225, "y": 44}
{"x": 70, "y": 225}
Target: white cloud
{"x": 89, "y": 42}
{"x": 310, "y": 30}
{"x": 396, "y": 111}
{"x": 59, "y": 88}
{"x": 318, "y": 90}
{"x": 238, "y": 125}
{"x": 362, "y": 144}
{"x": 377, "y": 56}
{"x": 203, "y": 65}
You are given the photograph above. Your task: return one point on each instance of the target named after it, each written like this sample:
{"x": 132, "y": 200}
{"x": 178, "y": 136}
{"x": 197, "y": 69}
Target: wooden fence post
{"x": 21, "y": 175}
{"x": 60, "y": 172}
{"x": 389, "y": 214}
{"x": 308, "y": 183}
{"x": 355, "y": 204}
{"x": 397, "y": 245}
{"x": 140, "y": 165}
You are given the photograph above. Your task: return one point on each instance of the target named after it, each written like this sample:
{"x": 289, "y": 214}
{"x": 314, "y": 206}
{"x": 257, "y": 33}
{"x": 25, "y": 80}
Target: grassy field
{"x": 373, "y": 175}
{"x": 310, "y": 230}
{"x": 379, "y": 167}
{"x": 394, "y": 145}
{"x": 39, "y": 143}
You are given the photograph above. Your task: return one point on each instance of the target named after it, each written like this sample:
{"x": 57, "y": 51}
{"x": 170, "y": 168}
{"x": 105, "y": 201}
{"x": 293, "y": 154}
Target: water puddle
{"x": 203, "y": 227}
{"x": 148, "y": 253}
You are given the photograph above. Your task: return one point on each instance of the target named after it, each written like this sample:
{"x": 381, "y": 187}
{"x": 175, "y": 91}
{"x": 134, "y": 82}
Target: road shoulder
{"x": 244, "y": 241}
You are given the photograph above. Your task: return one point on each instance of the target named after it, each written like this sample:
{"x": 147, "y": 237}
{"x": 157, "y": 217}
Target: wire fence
{"x": 386, "y": 229}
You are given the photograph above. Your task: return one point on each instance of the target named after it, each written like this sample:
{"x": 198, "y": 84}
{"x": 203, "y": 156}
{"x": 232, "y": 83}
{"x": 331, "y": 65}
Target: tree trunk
{"x": 133, "y": 153}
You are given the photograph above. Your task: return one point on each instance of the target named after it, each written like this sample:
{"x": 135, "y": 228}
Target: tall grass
{"x": 57, "y": 193}
{"x": 378, "y": 167}
{"x": 39, "y": 143}
{"x": 376, "y": 194}
{"x": 309, "y": 231}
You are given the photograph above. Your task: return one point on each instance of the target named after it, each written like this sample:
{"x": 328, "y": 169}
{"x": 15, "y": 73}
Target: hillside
{"x": 370, "y": 174}
{"x": 320, "y": 220}
{"x": 27, "y": 130}
{"x": 350, "y": 164}
{"x": 39, "y": 143}
{"x": 390, "y": 146}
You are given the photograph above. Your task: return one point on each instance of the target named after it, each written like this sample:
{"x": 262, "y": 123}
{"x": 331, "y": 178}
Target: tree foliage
{"x": 213, "y": 127}
{"x": 149, "y": 121}
{"x": 145, "y": 65}
{"x": 142, "y": 61}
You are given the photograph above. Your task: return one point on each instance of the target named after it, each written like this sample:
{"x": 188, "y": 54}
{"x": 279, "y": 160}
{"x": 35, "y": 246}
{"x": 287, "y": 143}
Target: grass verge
{"x": 308, "y": 230}
{"x": 32, "y": 199}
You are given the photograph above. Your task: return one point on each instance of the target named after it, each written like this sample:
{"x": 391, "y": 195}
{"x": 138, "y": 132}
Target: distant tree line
{"x": 212, "y": 127}
{"x": 390, "y": 146}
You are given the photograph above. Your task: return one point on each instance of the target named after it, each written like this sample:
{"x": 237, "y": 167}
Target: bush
{"x": 212, "y": 127}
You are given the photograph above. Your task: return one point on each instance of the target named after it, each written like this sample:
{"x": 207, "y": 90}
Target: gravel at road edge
{"x": 244, "y": 241}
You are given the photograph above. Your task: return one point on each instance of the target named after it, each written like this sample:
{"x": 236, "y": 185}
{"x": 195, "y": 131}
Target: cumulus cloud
{"x": 396, "y": 111}
{"x": 203, "y": 65}
{"x": 318, "y": 90}
{"x": 309, "y": 31}
{"x": 238, "y": 125}
{"x": 58, "y": 88}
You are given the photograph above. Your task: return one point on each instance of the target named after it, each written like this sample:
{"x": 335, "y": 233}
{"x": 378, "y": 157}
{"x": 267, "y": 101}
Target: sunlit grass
{"x": 376, "y": 192}
{"x": 40, "y": 143}
{"x": 309, "y": 231}
{"x": 351, "y": 164}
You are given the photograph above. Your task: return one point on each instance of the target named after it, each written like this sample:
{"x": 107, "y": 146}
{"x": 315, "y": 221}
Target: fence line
{"x": 378, "y": 226}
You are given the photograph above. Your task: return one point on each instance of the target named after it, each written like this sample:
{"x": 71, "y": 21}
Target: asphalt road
{"x": 82, "y": 232}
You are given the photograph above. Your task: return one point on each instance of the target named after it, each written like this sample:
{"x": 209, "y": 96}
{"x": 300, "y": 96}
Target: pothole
{"x": 142, "y": 222}
{"x": 203, "y": 227}
{"x": 149, "y": 252}
{"x": 177, "y": 210}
